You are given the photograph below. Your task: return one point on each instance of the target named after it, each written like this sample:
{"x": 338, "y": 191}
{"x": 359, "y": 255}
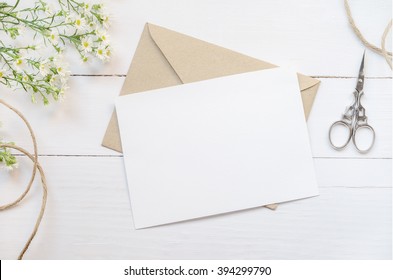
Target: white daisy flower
{"x": 63, "y": 73}
{"x": 92, "y": 26}
{"x": 3, "y": 73}
{"x": 108, "y": 52}
{"x": 61, "y": 67}
{"x": 55, "y": 80}
{"x": 102, "y": 35}
{"x": 105, "y": 21}
{"x": 87, "y": 8}
{"x": 85, "y": 59}
{"x": 86, "y": 45}
{"x": 101, "y": 53}
{"x": 44, "y": 68}
{"x": 54, "y": 37}
{"x": 80, "y": 23}
{"x": 25, "y": 78}
{"x": 19, "y": 63}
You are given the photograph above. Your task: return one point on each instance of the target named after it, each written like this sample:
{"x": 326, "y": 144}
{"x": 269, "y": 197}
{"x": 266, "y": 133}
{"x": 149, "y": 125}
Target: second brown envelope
{"x": 166, "y": 58}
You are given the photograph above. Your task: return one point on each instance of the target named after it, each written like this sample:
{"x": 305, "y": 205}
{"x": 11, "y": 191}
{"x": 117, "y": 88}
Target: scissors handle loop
{"x": 359, "y": 127}
{"x": 332, "y": 127}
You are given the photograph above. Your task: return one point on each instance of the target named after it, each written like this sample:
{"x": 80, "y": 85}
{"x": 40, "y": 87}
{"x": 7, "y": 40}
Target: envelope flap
{"x": 306, "y": 82}
{"x": 196, "y": 60}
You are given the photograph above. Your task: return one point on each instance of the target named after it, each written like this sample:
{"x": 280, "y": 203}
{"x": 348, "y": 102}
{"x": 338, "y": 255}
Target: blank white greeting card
{"x": 215, "y": 146}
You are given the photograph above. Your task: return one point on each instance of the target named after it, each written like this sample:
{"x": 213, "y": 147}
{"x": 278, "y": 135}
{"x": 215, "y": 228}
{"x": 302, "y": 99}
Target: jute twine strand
{"x": 383, "y": 42}
{"x": 37, "y": 166}
{"x": 382, "y": 51}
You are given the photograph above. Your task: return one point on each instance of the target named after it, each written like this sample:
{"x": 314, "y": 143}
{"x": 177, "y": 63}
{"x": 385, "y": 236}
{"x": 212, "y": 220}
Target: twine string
{"x": 383, "y": 41}
{"x": 382, "y": 51}
{"x": 22, "y": 196}
{"x": 37, "y": 166}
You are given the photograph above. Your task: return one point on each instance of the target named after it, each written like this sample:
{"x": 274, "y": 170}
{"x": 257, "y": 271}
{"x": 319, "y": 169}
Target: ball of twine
{"x": 36, "y": 166}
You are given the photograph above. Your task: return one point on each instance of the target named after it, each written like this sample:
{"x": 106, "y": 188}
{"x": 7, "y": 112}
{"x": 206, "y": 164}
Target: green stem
{"x": 31, "y": 24}
{"x": 6, "y": 61}
{"x": 16, "y": 4}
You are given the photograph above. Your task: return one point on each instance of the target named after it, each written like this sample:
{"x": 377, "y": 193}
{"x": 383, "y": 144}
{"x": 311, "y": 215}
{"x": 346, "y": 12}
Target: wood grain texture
{"x": 312, "y": 36}
{"x": 89, "y": 214}
{"x": 76, "y": 126}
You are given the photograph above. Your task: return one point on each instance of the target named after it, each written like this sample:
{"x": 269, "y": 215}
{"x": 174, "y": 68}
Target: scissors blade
{"x": 360, "y": 82}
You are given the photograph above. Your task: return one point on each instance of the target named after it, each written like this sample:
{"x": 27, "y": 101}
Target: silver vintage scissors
{"x": 354, "y": 118}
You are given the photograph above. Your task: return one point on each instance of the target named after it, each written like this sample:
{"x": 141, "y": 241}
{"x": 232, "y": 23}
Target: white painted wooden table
{"x": 89, "y": 215}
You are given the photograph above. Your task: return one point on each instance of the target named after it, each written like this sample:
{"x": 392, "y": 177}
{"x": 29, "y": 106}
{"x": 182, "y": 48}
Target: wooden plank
{"x": 76, "y": 126}
{"x": 88, "y": 216}
{"x": 353, "y": 173}
{"x": 349, "y": 173}
{"x": 312, "y": 36}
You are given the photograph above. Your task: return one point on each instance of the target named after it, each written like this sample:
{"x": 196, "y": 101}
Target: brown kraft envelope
{"x": 165, "y": 58}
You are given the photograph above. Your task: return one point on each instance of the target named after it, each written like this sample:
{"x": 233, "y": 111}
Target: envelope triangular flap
{"x": 196, "y": 60}
{"x": 149, "y": 69}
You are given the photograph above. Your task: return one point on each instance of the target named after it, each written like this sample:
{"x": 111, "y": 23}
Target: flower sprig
{"x": 7, "y": 160}
{"x": 46, "y": 77}
{"x": 39, "y": 68}
{"x": 80, "y": 24}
